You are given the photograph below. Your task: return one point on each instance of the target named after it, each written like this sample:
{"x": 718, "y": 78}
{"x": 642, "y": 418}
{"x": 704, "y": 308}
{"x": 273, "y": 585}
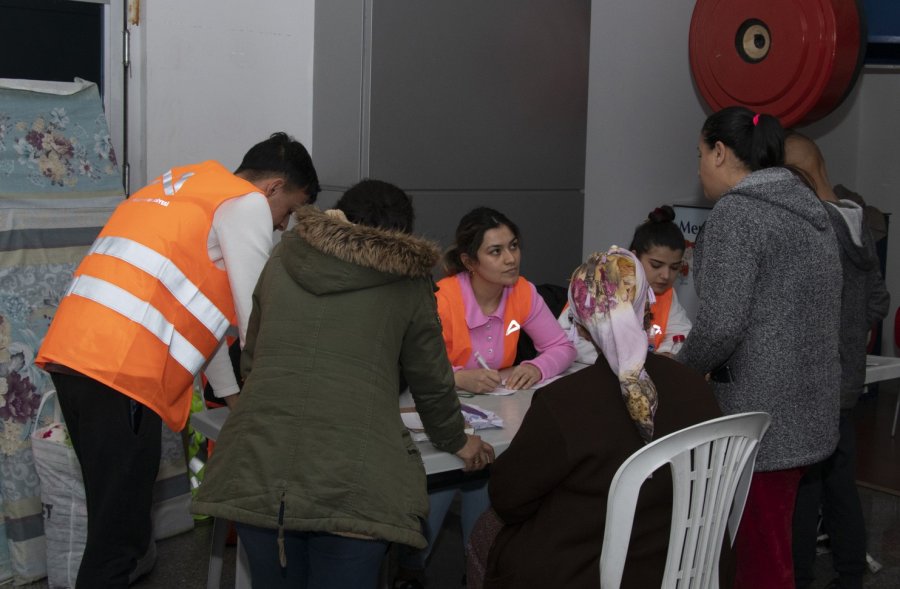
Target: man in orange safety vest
{"x": 149, "y": 307}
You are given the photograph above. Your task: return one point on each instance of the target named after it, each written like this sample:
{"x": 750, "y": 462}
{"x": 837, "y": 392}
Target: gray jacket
{"x": 767, "y": 272}
{"x": 864, "y": 298}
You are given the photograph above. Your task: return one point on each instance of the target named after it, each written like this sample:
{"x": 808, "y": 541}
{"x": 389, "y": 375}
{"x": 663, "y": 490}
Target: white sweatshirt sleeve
{"x": 220, "y": 374}
{"x": 240, "y": 242}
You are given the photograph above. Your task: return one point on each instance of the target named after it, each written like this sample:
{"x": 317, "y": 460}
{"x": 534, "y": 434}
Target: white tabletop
{"x": 511, "y": 409}
{"x": 210, "y": 422}
{"x": 880, "y": 368}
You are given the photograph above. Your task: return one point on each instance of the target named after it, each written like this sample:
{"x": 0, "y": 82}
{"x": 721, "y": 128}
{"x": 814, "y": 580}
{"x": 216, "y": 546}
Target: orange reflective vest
{"x": 452, "y": 312}
{"x": 147, "y": 308}
{"x": 660, "y": 311}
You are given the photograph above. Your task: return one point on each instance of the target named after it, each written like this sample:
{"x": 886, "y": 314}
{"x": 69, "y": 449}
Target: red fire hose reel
{"x": 794, "y": 59}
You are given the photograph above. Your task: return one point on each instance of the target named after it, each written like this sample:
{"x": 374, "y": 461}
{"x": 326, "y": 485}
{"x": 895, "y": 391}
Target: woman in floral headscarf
{"x": 550, "y": 487}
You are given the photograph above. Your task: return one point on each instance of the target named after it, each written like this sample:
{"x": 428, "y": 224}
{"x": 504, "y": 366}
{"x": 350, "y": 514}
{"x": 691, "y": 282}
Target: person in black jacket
{"x": 831, "y": 483}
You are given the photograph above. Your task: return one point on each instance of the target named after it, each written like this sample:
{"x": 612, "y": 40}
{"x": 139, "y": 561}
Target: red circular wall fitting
{"x": 795, "y": 59}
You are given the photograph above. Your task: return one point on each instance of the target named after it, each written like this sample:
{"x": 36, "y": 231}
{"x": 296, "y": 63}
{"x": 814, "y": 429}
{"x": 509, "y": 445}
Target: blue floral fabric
{"x": 59, "y": 182}
{"x": 55, "y": 143}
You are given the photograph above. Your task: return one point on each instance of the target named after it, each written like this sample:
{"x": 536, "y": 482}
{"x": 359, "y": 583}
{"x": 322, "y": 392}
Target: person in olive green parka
{"x": 315, "y": 451}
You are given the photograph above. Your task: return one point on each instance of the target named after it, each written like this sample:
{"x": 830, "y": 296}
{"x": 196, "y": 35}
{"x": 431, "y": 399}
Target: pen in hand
{"x": 480, "y": 380}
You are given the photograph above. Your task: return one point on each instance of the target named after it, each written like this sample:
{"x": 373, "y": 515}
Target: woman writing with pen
{"x": 484, "y": 304}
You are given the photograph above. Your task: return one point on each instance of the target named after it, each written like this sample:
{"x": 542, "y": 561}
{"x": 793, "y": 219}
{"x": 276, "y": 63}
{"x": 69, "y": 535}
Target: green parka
{"x": 316, "y": 442}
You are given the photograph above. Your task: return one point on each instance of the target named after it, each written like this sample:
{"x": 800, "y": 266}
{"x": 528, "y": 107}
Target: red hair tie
{"x": 755, "y": 119}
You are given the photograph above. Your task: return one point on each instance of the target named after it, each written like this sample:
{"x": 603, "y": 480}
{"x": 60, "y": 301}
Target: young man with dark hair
{"x": 148, "y": 308}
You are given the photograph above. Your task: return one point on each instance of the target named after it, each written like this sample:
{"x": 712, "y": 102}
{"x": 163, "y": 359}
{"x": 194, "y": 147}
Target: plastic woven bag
{"x": 62, "y": 495}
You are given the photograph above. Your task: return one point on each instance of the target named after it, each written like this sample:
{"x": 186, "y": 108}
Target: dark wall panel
{"x": 480, "y": 95}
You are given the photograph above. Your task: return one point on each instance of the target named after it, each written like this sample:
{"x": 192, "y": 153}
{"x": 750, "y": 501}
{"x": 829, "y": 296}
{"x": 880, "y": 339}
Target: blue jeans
{"x": 474, "y": 501}
{"x": 315, "y": 560}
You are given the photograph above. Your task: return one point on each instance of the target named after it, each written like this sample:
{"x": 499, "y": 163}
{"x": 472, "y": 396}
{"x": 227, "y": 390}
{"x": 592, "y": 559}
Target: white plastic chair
{"x": 712, "y": 463}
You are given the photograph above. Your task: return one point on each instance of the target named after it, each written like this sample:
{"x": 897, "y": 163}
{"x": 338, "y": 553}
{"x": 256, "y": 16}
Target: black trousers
{"x": 118, "y": 442}
{"x": 831, "y": 484}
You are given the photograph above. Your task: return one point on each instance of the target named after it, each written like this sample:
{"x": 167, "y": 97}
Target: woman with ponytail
{"x": 768, "y": 278}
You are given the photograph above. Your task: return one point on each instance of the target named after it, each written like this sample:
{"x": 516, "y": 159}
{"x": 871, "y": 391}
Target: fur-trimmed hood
{"x": 324, "y": 254}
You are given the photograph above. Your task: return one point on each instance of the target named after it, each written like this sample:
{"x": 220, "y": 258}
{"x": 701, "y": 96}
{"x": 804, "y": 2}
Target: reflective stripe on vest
{"x": 147, "y": 307}
{"x": 155, "y": 264}
{"x": 169, "y": 188}
{"x": 143, "y": 313}
{"x": 456, "y": 331}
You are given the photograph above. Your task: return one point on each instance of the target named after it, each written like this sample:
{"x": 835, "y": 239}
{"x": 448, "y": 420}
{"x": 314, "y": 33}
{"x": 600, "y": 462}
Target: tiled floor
{"x": 183, "y": 559}
{"x": 882, "y": 513}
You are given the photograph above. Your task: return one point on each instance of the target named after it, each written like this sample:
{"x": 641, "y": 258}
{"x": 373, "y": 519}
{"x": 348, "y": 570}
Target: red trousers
{"x": 763, "y": 545}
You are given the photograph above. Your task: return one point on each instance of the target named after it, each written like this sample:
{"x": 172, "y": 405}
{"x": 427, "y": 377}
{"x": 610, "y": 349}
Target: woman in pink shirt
{"x": 484, "y": 304}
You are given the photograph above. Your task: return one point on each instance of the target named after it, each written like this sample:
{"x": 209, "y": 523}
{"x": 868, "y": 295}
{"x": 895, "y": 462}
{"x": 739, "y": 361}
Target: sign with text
{"x": 689, "y": 219}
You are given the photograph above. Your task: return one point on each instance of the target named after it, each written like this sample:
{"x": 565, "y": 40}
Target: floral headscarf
{"x": 608, "y": 296}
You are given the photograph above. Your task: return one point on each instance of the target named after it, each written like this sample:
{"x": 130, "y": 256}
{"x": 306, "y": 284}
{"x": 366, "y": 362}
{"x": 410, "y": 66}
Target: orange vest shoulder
{"x": 452, "y": 312}
{"x": 660, "y": 311}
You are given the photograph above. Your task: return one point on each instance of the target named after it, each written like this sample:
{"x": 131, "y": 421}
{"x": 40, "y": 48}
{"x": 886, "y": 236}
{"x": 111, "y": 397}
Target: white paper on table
{"x": 479, "y": 418}
{"x": 500, "y": 391}
{"x": 547, "y": 381}
{"x": 476, "y": 418}
{"x": 412, "y": 421}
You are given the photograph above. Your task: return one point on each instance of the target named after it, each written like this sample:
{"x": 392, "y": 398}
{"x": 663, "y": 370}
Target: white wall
{"x": 878, "y": 169}
{"x": 644, "y": 117}
{"x": 212, "y": 77}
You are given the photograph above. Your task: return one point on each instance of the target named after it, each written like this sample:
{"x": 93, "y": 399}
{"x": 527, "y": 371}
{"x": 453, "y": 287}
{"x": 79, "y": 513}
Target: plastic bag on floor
{"x": 62, "y": 495}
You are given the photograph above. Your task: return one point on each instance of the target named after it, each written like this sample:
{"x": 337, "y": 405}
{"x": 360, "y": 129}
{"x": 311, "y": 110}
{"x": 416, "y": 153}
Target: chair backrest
{"x": 712, "y": 463}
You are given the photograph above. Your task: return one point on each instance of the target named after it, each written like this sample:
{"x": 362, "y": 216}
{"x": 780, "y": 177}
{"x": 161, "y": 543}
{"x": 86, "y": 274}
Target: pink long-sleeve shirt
{"x": 555, "y": 352}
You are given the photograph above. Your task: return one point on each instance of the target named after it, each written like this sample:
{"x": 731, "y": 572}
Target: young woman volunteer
{"x": 659, "y": 245}
{"x": 484, "y": 304}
